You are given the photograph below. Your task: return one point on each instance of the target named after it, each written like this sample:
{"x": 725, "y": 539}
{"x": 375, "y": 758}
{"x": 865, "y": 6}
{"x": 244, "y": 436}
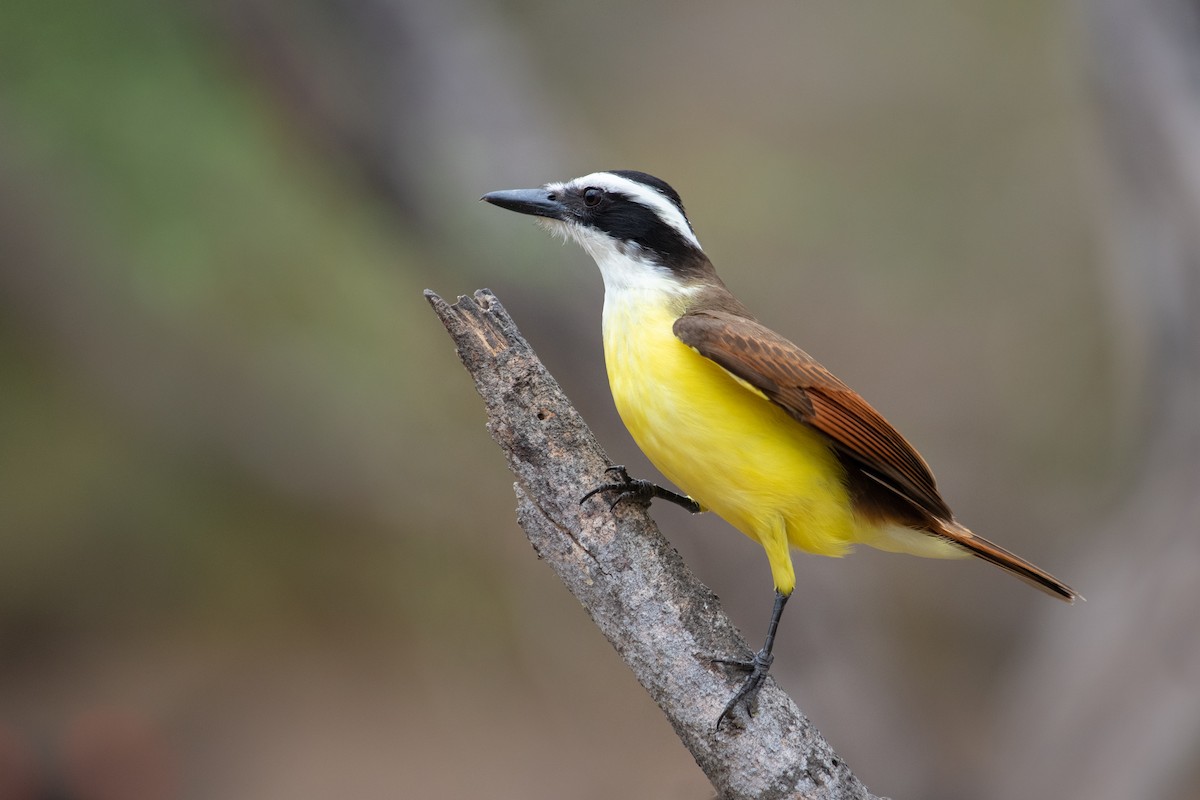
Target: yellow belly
{"x": 722, "y": 443}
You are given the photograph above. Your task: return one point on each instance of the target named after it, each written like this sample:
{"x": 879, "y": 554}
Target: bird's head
{"x": 631, "y": 223}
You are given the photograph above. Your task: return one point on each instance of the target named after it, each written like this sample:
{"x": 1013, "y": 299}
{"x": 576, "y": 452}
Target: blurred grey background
{"x": 255, "y": 541}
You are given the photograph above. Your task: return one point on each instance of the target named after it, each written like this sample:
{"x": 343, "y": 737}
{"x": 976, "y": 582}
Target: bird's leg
{"x": 640, "y": 492}
{"x": 757, "y": 666}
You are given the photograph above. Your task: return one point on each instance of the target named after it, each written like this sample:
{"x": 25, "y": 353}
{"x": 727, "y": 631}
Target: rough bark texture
{"x": 665, "y": 624}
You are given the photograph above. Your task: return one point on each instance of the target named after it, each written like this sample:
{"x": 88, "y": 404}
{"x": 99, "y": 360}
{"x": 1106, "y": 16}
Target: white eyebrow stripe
{"x": 667, "y": 211}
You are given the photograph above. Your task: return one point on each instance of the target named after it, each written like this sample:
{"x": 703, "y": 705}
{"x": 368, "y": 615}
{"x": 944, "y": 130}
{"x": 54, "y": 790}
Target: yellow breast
{"x": 720, "y": 441}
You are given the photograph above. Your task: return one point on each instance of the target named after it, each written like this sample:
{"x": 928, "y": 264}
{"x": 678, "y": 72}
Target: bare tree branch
{"x": 665, "y": 624}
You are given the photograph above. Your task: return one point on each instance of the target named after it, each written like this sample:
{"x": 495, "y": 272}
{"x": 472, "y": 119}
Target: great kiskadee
{"x": 744, "y": 422}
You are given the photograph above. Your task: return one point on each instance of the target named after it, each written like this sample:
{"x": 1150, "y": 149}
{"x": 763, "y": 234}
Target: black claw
{"x": 638, "y": 491}
{"x": 758, "y": 668}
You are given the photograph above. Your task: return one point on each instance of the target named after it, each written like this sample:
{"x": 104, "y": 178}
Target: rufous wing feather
{"x": 1009, "y": 562}
{"x": 894, "y": 481}
{"x": 811, "y": 394}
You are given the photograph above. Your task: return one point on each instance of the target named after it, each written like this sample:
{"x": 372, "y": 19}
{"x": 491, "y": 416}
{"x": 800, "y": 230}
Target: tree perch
{"x": 664, "y": 623}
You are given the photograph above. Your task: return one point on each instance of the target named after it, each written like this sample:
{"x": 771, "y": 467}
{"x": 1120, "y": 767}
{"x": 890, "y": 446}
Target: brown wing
{"x": 811, "y": 394}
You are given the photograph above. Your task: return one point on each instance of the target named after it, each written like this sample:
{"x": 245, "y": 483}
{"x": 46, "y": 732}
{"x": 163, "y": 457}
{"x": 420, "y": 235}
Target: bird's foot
{"x": 758, "y": 667}
{"x": 638, "y": 491}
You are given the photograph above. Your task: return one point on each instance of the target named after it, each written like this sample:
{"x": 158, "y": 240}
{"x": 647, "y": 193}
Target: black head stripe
{"x": 627, "y": 220}
{"x": 657, "y": 184}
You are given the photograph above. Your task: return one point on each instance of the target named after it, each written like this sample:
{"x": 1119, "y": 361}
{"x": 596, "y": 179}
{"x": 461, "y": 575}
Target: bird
{"x": 742, "y": 421}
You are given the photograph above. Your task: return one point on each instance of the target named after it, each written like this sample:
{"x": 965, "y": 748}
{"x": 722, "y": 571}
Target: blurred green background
{"x": 254, "y": 539}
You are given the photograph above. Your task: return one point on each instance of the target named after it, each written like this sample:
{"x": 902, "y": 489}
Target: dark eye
{"x": 592, "y": 196}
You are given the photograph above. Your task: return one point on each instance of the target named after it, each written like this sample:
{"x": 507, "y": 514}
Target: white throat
{"x": 629, "y": 274}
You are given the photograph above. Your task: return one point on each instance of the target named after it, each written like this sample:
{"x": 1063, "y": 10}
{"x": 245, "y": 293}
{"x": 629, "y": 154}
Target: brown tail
{"x": 995, "y": 554}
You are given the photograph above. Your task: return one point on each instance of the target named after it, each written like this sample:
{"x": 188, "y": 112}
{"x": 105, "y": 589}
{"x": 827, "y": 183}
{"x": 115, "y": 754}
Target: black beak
{"x": 538, "y": 202}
